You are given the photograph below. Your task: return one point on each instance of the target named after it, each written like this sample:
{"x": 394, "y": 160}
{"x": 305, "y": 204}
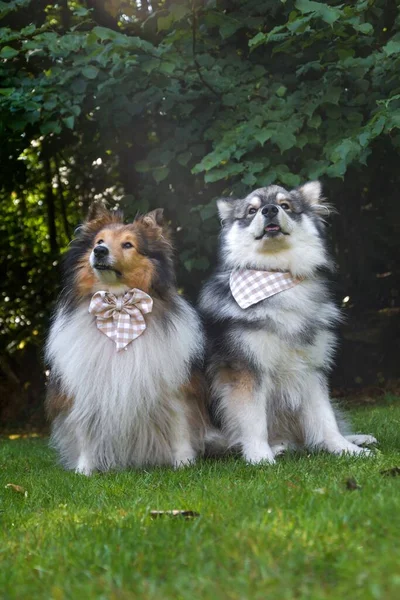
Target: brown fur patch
{"x": 99, "y": 217}
{"x": 136, "y": 269}
{"x": 241, "y": 383}
{"x": 56, "y": 402}
{"x": 194, "y": 394}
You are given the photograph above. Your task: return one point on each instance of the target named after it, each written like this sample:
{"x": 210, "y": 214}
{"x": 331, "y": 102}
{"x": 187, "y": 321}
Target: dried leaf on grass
{"x": 186, "y": 514}
{"x": 291, "y": 484}
{"x": 351, "y": 484}
{"x": 393, "y": 472}
{"x": 17, "y": 488}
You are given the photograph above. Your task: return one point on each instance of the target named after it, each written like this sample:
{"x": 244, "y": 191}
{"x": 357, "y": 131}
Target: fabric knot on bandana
{"x": 250, "y": 286}
{"x": 121, "y": 317}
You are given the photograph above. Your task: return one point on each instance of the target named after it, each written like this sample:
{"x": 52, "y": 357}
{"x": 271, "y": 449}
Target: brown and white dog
{"x": 122, "y": 350}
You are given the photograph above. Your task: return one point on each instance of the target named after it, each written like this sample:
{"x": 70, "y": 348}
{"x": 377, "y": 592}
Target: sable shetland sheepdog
{"x": 122, "y": 390}
{"x": 271, "y": 321}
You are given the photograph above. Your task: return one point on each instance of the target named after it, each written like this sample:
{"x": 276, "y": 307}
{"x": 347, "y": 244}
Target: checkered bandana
{"x": 249, "y": 287}
{"x": 121, "y": 317}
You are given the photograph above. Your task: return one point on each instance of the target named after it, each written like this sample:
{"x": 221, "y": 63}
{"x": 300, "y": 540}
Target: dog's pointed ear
{"x": 97, "y": 211}
{"x": 99, "y": 216}
{"x": 311, "y": 192}
{"x": 225, "y": 208}
{"x": 155, "y": 218}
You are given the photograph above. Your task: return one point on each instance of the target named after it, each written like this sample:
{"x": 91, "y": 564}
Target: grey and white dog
{"x": 268, "y": 363}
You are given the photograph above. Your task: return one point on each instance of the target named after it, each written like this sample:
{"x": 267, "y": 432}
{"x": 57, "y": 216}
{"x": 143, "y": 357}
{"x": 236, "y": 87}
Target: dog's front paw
{"x": 345, "y": 447}
{"x": 361, "y": 440}
{"x": 278, "y": 449}
{"x": 184, "y": 459}
{"x": 83, "y": 470}
{"x": 84, "y": 467}
{"x": 258, "y": 453}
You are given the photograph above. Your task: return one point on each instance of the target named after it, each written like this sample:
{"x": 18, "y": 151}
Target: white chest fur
{"x": 130, "y": 381}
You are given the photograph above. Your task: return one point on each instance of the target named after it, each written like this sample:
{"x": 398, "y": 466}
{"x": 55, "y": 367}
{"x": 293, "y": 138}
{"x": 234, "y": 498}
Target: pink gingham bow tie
{"x": 249, "y": 286}
{"x": 121, "y": 317}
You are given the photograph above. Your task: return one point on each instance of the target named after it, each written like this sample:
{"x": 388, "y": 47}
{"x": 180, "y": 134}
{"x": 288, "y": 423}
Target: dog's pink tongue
{"x": 272, "y": 228}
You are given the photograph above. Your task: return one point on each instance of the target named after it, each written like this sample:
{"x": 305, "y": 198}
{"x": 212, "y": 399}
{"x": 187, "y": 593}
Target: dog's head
{"x": 273, "y": 228}
{"x": 110, "y": 255}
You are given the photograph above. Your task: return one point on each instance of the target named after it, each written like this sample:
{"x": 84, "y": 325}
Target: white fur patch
{"x": 300, "y": 252}
{"x": 311, "y": 191}
{"x": 126, "y": 404}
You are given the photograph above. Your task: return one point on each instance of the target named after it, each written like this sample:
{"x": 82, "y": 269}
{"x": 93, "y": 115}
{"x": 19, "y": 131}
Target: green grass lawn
{"x": 289, "y": 531}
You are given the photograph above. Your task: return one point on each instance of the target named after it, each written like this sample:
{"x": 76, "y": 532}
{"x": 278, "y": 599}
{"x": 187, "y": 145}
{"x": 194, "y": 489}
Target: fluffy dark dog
{"x": 124, "y": 396}
{"x": 271, "y": 326}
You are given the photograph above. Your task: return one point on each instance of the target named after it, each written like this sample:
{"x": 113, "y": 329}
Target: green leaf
{"x": 327, "y": 13}
{"x": 316, "y": 168}
{"x": 8, "y": 52}
{"x": 281, "y": 91}
{"x": 80, "y": 11}
{"x": 332, "y": 94}
{"x": 263, "y": 135}
{"x": 315, "y": 121}
{"x": 104, "y": 34}
{"x": 284, "y": 140}
{"x": 28, "y": 30}
{"x": 249, "y": 179}
{"x": 393, "y": 45}
{"x": 211, "y": 160}
{"x": 176, "y": 13}
{"x": 160, "y": 173}
{"x": 50, "y": 104}
{"x": 257, "y": 40}
{"x": 208, "y": 211}
{"x": 365, "y": 28}
{"x": 184, "y": 158}
{"x": 50, "y": 127}
{"x": 90, "y": 72}
{"x": 69, "y": 122}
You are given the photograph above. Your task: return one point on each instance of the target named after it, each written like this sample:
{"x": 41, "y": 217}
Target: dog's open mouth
{"x": 271, "y": 228}
{"x": 105, "y": 267}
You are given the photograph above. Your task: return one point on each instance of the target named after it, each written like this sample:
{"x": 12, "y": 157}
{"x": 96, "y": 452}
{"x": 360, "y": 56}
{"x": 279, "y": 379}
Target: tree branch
{"x": 51, "y": 213}
{"x": 196, "y": 63}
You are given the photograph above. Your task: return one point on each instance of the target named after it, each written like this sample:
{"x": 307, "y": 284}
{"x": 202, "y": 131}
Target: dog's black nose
{"x": 269, "y": 210}
{"x": 100, "y": 251}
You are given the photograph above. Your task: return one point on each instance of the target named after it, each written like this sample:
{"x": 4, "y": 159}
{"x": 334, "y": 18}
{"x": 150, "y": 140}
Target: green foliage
{"x": 174, "y": 103}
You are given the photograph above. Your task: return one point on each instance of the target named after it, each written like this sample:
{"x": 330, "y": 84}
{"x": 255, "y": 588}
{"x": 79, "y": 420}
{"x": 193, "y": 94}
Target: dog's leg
{"x": 84, "y": 465}
{"x": 183, "y": 453}
{"x": 319, "y": 424}
{"x": 242, "y": 405}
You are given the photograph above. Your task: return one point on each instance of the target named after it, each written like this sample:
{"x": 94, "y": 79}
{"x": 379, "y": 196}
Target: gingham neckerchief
{"x": 121, "y": 317}
{"x": 249, "y": 286}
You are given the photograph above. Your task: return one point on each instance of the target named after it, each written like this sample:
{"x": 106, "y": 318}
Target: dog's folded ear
{"x": 226, "y": 207}
{"x": 155, "y": 218}
{"x": 311, "y": 192}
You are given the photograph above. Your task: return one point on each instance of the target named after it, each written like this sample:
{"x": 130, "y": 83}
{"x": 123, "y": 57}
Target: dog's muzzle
{"x": 272, "y": 226}
{"x": 101, "y": 256}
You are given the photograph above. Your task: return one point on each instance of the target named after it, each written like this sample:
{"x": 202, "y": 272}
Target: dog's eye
{"x": 100, "y": 242}
{"x": 127, "y": 245}
{"x": 285, "y": 206}
{"x": 252, "y": 211}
